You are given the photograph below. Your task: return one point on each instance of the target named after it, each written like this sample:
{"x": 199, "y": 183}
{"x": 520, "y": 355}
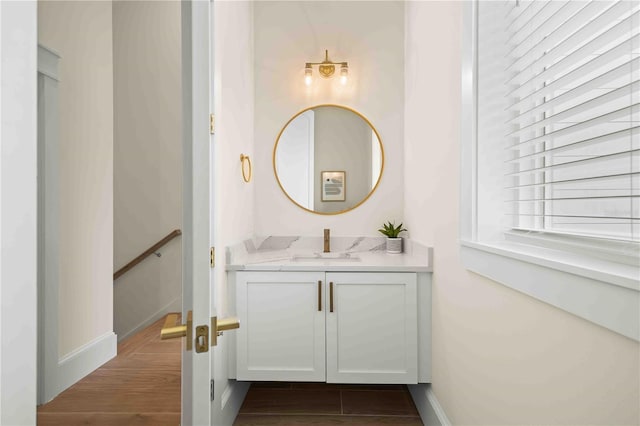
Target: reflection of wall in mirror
{"x": 376, "y": 159}
{"x": 342, "y": 142}
{"x": 295, "y": 158}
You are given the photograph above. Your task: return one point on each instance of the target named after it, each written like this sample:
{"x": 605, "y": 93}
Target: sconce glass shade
{"x": 344, "y": 74}
{"x": 308, "y": 75}
{"x": 326, "y": 69}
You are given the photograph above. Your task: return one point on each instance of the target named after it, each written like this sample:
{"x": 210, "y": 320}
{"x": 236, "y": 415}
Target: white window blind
{"x": 566, "y": 82}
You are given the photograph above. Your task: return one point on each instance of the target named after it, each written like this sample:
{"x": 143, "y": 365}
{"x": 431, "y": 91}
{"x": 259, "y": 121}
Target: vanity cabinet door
{"x": 372, "y": 331}
{"x": 282, "y": 331}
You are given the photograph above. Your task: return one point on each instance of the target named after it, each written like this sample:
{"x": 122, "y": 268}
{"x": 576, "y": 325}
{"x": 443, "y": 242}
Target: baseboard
{"x": 85, "y": 359}
{"x": 174, "y": 306}
{"x": 430, "y": 410}
{"x": 232, "y": 398}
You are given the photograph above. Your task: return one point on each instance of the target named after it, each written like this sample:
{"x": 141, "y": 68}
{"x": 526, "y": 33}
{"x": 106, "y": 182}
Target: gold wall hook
{"x": 246, "y": 175}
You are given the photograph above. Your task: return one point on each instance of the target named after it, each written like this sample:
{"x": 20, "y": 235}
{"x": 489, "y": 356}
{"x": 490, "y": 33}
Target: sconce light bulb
{"x": 308, "y": 75}
{"x": 344, "y": 74}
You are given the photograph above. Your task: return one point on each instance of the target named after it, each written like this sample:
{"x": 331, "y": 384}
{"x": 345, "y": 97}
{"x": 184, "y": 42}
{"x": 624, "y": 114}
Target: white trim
{"x": 48, "y": 62}
{"x": 605, "y": 271}
{"x": 425, "y": 304}
{"x": 435, "y": 405}
{"x": 613, "y": 251}
{"x": 468, "y": 130}
{"x": 431, "y": 412}
{"x": 174, "y": 306}
{"x": 226, "y": 394}
{"x": 85, "y": 359}
{"x": 48, "y": 223}
{"x": 198, "y": 293}
{"x": 186, "y": 367}
{"x": 18, "y": 212}
{"x": 232, "y": 399}
{"x": 613, "y": 306}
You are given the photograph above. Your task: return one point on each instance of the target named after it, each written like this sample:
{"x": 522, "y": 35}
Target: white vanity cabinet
{"x": 338, "y": 327}
{"x": 372, "y": 334}
{"x": 282, "y": 331}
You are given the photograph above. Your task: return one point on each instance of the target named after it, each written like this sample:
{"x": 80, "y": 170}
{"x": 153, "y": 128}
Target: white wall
{"x": 18, "y": 190}
{"x": 234, "y": 204}
{"x": 147, "y": 160}
{"x": 233, "y": 97}
{"x": 499, "y": 357}
{"x": 370, "y": 36}
{"x": 81, "y": 33}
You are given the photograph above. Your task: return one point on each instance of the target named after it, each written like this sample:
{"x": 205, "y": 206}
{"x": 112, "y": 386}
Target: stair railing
{"x": 151, "y": 250}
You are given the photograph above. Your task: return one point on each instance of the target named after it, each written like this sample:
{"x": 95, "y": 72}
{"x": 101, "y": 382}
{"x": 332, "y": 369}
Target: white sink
{"x": 323, "y": 257}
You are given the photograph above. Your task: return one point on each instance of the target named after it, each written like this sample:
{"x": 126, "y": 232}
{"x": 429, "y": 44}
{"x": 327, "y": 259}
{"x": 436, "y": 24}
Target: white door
{"x": 198, "y": 286}
{"x": 372, "y": 328}
{"x": 282, "y": 333}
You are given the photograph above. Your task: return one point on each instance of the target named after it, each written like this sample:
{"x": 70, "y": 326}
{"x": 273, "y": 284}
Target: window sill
{"x": 600, "y": 291}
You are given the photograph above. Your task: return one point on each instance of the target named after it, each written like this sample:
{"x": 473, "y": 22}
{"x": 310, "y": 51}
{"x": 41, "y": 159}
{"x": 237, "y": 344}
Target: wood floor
{"x": 141, "y": 386}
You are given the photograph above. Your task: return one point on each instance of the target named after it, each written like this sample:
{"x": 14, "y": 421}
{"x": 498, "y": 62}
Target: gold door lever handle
{"x": 173, "y": 330}
{"x": 220, "y": 325}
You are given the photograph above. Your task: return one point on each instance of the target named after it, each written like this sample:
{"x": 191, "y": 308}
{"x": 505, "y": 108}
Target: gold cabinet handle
{"x": 173, "y": 330}
{"x": 319, "y": 296}
{"x": 331, "y": 296}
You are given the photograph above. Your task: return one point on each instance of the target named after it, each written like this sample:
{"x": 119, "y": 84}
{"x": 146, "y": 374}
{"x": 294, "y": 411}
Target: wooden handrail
{"x": 146, "y": 253}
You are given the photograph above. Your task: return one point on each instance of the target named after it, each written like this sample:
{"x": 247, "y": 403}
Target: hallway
{"x": 140, "y": 386}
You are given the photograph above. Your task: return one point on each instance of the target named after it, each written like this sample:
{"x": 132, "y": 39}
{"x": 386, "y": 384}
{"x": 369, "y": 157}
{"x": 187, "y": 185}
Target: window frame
{"x": 567, "y": 272}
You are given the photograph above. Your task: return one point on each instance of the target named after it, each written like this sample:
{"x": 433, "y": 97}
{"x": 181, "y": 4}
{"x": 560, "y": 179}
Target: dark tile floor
{"x": 277, "y": 403}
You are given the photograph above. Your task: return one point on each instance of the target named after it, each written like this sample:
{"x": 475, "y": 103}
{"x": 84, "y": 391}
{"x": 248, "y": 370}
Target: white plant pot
{"x": 394, "y": 245}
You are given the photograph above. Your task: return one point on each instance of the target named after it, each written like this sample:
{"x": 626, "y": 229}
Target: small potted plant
{"x": 394, "y": 242}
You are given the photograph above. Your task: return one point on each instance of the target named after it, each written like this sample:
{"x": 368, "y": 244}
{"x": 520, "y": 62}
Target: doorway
{"x": 119, "y": 178}
{"x": 232, "y": 21}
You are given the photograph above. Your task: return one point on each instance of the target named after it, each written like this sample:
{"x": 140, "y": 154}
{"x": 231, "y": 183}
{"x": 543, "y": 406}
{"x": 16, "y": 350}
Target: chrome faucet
{"x": 327, "y": 240}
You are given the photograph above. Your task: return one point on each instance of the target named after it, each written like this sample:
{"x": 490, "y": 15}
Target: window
{"x": 558, "y": 89}
{"x": 551, "y": 144}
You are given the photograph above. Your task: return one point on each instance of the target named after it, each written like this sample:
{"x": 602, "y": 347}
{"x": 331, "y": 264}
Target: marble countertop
{"x": 356, "y": 254}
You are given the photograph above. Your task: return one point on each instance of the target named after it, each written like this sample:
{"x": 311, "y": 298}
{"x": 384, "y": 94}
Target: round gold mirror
{"x": 328, "y": 159}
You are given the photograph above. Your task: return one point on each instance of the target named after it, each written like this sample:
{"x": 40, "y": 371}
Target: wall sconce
{"x": 326, "y": 69}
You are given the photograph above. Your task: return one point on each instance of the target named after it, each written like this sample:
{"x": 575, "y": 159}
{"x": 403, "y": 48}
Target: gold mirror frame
{"x": 275, "y": 170}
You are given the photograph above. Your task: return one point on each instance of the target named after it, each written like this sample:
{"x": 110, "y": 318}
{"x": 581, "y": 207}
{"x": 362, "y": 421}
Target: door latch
{"x": 202, "y": 338}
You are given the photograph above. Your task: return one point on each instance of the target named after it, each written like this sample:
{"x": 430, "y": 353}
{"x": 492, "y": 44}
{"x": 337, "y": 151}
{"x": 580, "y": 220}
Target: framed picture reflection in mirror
{"x": 334, "y": 186}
